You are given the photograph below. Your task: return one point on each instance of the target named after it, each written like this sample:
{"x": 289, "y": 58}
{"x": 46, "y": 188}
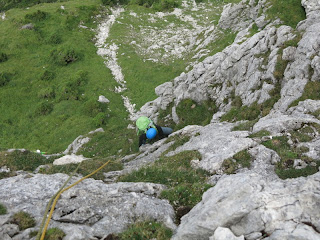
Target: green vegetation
{"x": 24, "y": 220}
{"x": 54, "y": 234}
{"x": 190, "y": 112}
{"x": 145, "y": 230}
{"x": 289, "y": 11}
{"x": 288, "y": 154}
{"x": 85, "y": 168}
{"x": 259, "y": 134}
{"x": 241, "y": 159}
{"x": 51, "y": 74}
{"x": 185, "y": 184}
{"x": 244, "y": 126}
{"x": 22, "y": 160}
{"x": 311, "y": 91}
{"x": 3, "y": 209}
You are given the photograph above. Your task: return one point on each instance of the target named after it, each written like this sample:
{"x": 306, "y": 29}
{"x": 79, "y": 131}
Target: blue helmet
{"x": 151, "y": 133}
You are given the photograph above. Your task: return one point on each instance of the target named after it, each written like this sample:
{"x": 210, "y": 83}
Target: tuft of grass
{"x": 23, "y": 219}
{"x": 250, "y": 113}
{"x": 190, "y": 113}
{"x": 311, "y": 91}
{"x": 245, "y": 126}
{"x": 145, "y": 230}
{"x": 3, "y": 209}
{"x": 241, "y": 159}
{"x": 288, "y": 154}
{"x": 86, "y": 167}
{"x": 185, "y": 184}
{"x": 294, "y": 173}
{"x": 259, "y": 134}
{"x": 54, "y": 234}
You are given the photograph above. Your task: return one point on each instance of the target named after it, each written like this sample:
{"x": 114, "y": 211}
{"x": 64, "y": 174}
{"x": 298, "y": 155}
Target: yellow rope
{"x": 50, "y": 202}
{"x": 59, "y": 194}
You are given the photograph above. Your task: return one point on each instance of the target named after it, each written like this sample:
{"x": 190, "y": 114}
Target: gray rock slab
{"x": 91, "y": 208}
{"x": 248, "y": 203}
{"x": 216, "y": 142}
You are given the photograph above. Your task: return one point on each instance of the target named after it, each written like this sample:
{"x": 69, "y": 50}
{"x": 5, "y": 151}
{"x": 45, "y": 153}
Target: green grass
{"x": 185, "y": 184}
{"x": 193, "y": 113}
{"x": 245, "y": 126}
{"x": 3, "y": 209}
{"x": 289, "y": 11}
{"x": 288, "y": 154}
{"x": 23, "y": 219}
{"x": 36, "y": 75}
{"x": 259, "y": 134}
{"x": 145, "y": 230}
{"x": 26, "y": 161}
{"x": 241, "y": 159}
{"x": 311, "y": 91}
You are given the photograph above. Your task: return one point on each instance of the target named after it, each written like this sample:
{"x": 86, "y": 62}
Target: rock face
{"x": 255, "y": 207}
{"x": 88, "y": 210}
{"x": 254, "y": 203}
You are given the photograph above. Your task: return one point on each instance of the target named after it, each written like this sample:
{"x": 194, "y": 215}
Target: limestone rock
{"x": 89, "y": 209}
{"x": 248, "y": 203}
{"x": 224, "y": 234}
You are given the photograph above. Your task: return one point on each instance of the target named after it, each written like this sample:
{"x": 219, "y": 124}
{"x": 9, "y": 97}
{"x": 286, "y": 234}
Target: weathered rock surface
{"x": 250, "y": 205}
{"x": 88, "y": 210}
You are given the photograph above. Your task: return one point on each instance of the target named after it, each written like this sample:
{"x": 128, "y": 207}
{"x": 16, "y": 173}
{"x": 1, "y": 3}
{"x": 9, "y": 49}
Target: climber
{"x": 148, "y": 130}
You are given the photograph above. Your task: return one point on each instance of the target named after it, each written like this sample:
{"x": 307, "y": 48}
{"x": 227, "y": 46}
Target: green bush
{"x": 100, "y": 119}
{"x": 165, "y": 5}
{"x": 3, "y": 209}
{"x": 65, "y": 55}
{"x": 3, "y": 57}
{"x": 44, "y": 108}
{"x": 73, "y": 89}
{"x": 4, "y": 79}
{"x": 36, "y": 16}
{"x": 23, "y": 220}
{"x": 54, "y": 234}
{"x": 146, "y": 230}
{"x": 47, "y": 75}
{"x": 23, "y": 160}
{"x": 93, "y": 107}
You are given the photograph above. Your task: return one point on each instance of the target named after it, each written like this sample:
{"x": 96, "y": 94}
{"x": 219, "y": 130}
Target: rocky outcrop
{"x": 89, "y": 210}
{"x": 256, "y": 208}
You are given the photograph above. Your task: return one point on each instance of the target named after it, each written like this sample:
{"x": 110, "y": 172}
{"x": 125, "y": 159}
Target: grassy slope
{"x": 29, "y": 56}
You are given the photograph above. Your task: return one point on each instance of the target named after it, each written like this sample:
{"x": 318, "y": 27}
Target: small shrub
{"x": 36, "y": 16}
{"x": 100, "y": 119}
{"x": 3, "y": 57}
{"x": 146, "y": 230}
{"x": 54, "y": 234}
{"x": 165, "y": 5}
{"x": 4, "y": 79}
{"x": 3, "y": 209}
{"x": 44, "y": 108}
{"x": 72, "y": 89}
{"x": 64, "y": 55}
{"x": 23, "y": 220}
{"x": 93, "y": 107}
{"x": 280, "y": 67}
{"x": 47, "y": 75}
